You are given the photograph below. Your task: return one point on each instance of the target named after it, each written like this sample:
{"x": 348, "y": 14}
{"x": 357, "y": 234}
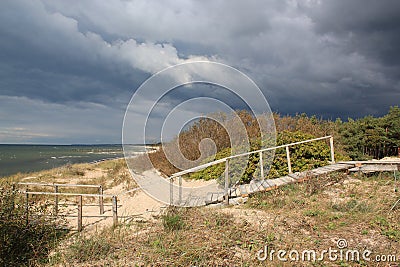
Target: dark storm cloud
{"x": 329, "y": 57}
{"x": 44, "y": 56}
{"x": 371, "y": 28}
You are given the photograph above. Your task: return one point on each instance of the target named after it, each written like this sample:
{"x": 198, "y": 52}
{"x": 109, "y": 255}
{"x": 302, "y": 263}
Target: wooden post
{"x": 56, "y": 200}
{"x": 101, "y": 204}
{"x": 13, "y": 196}
{"x": 261, "y": 165}
{"x": 79, "y": 200}
{"x": 171, "y": 191}
{"x": 27, "y": 206}
{"x": 332, "y": 149}
{"x": 115, "y": 211}
{"x": 180, "y": 189}
{"x": 226, "y": 182}
{"x": 288, "y": 159}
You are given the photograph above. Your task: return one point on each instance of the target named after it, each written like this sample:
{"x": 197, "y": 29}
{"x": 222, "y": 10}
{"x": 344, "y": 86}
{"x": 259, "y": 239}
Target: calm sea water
{"x": 29, "y": 158}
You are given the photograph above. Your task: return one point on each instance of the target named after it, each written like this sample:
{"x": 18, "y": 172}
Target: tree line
{"x": 355, "y": 139}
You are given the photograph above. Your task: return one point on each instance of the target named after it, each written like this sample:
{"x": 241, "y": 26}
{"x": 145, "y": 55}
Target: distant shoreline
{"x": 20, "y": 158}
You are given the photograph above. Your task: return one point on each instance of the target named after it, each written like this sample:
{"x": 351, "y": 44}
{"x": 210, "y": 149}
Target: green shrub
{"x": 24, "y": 243}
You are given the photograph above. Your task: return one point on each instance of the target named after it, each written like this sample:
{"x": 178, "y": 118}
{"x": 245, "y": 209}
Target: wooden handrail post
{"x": 56, "y": 200}
{"x": 101, "y": 203}
{"x": 226, "y": 194}
{"x": 261, "y": 165}
{"x": 79, "y": 202}
{"x": 115, "y": 210}
{"x": 171, "y": 191}
{"x": 27, "y": 206}
{"x": 332, "y": 149}
{"x": 13, "y": 196}
{"x": 288, "y": 159}
{"x": 180, "y": 189}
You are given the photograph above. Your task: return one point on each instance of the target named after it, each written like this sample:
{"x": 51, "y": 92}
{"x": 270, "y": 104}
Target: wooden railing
{"x": 227, "y": 159}
{"x": 56, "y": 191}
{"x": 79, "y": 199}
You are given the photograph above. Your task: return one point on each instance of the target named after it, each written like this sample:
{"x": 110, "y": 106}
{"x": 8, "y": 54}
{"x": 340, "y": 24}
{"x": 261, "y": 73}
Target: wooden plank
{"x": 288, "y": 179}
{"x": 379, "y": 162}
{"x": 270, "y": 182}
{"x": 208, "y": 199}
{"x": 332, "y": 167}
{"x": 259, "y": 185}
{"x": 294, "y": 176}
{"x": 374, "y": 168}
{"x": 243, "y": 189}
{"x": 234, "y": 192}
{"x": 60, "y": 185}
{"x": 63, "y": 194}
{"x": 253, "y": 188}
{"x": 279, "y": 182}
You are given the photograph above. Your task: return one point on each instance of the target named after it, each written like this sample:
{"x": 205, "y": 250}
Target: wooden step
{"x": 213, "y": 197}
{"x": 288, "y": 179}
{"x": 279, "y": 182}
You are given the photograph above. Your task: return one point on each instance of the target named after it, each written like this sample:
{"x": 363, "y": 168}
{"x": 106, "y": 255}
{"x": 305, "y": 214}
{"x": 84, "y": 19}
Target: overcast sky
{"x": 69, "y": 68}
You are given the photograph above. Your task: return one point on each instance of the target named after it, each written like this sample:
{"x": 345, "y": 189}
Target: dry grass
{"x": 312, "y": 215}
{"x": 109, "y": 174}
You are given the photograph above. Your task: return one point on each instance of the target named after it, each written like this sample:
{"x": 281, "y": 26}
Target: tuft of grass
{"x": 352, "y": 206}
{"x": 313, "y": 213}
{"x": 172, "y": 220}
{"x": 87, "y": 249}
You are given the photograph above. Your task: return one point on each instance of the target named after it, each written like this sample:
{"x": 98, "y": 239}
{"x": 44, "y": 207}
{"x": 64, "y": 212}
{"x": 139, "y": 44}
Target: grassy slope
{"x": 312, "y": 215}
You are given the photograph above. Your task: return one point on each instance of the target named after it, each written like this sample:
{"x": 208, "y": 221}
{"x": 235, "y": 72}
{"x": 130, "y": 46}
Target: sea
{"x": 30, "y": 158}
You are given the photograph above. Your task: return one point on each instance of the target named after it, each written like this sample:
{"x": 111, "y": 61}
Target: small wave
{"x": 64, "y": 157}
{"x": 105, "y": 152}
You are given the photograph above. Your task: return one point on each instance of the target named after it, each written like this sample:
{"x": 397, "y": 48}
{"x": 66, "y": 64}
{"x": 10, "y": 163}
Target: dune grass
{"x": 311, "y": 215}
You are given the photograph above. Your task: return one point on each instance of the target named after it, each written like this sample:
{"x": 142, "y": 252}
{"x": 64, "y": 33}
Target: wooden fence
{"x": 79, "y": 199}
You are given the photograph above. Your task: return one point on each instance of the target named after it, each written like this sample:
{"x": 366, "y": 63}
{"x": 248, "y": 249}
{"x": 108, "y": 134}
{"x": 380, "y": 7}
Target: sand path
{"x": 133, "y": 205}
